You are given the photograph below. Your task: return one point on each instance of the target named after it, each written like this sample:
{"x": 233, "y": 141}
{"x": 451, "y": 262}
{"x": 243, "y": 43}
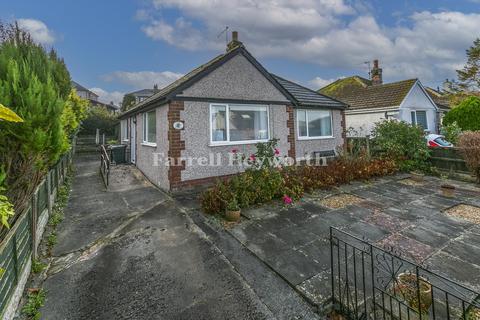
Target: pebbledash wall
{"x": 146, "y": 154}
{"x": 305, "y": 147}
{"x": 197, "y": 140}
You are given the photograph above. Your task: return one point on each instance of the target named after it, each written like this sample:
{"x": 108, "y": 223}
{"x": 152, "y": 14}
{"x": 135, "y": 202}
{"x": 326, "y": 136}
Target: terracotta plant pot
{"x": 232, "y": 215}
{"x": 406, "y": 288}
{"x": 417, "y": 176}
{"x": 447, "y": 190}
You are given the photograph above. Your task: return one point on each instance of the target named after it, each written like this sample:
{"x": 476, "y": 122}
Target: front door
{"x": 133, "y": 140}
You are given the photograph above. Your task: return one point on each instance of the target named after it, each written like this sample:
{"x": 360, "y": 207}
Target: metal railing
{"x": 104, "y": 165}
{"x": 369, "y": 282}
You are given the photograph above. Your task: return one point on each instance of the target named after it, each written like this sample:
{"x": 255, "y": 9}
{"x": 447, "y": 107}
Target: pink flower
{"x": 234, "y": 150}
{"x": 277, "y": 152}
{"x": 287, "y": 199}
{"x": 252, "y": 157}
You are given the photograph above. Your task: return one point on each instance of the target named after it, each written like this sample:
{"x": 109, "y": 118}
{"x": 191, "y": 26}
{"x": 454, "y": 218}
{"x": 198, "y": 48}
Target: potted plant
{"x": 417, "y": 176}
{"x": 232, "y": 212}
{"x": 447, "y": 190}
{"x": 409, "y": 288}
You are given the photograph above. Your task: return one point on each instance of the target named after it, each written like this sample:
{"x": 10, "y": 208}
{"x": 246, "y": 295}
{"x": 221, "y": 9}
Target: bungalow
{"x": 371, "y": 101}
{"x": 231, "y": 102}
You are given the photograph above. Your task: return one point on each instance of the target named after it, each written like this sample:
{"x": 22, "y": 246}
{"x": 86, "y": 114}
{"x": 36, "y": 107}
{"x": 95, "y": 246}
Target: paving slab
{"x": 410, "y": 220}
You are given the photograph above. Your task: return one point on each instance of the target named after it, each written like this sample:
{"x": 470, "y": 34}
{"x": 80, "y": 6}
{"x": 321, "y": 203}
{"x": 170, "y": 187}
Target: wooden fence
{"x": 18, "y": 245}
{"x": 448, "y": 159}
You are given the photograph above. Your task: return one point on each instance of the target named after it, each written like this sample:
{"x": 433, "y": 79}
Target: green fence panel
{"x": 42, "y": 202}
{"x": 9, "y": 278}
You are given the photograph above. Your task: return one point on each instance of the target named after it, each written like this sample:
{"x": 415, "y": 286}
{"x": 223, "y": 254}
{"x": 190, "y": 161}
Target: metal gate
{"x": 369, "y": 282}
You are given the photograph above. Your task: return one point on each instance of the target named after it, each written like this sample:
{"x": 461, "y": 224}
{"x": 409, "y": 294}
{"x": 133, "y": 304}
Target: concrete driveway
{"x": 131, "y": 253}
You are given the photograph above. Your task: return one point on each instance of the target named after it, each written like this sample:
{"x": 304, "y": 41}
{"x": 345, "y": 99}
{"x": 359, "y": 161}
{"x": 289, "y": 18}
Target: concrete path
{"x": 131, "y": 253}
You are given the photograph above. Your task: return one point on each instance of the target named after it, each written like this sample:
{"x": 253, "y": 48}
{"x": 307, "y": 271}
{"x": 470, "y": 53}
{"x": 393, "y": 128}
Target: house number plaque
{"x": 178, "y": 125}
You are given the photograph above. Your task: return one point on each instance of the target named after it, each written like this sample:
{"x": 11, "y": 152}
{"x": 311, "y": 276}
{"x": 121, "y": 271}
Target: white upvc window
{"x": 124, "y": 127}
{"x": 314, "y": 124}
{"x": 238, "y": 124}
{"x": 150, "y": 128}
{"x": 419, "y": 118}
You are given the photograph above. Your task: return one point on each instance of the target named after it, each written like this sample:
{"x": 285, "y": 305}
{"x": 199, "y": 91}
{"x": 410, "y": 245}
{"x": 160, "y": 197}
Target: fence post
{"x": 97, "y": 137}
{"x": 49, "y": 192}
{"x": 103, "y": 138}
{"x": 34, "y": 223}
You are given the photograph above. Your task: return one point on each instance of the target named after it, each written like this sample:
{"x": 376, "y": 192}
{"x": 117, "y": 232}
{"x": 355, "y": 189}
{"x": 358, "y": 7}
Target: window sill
{"x": 235, "y": 143}
{"x": 315, "y": 138}
{"x": 125, "y": 140}
{"x": 149, "y": 144}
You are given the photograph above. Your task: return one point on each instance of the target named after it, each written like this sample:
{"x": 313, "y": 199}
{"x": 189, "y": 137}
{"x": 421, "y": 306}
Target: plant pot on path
{"x": 232, "y": 212}
{"x": 447, "y": 190}
{"x": 232, "y": 215}
{"x": 409, "y": 288}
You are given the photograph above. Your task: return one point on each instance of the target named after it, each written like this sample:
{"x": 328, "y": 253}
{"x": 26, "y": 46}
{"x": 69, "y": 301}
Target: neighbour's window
{"x": 314, "y": 123}
{"x": 238, "y": 123}
{"x": 125, "y": 130}
{"x": 149, "y": 127}
{"x": 420, "y": 118}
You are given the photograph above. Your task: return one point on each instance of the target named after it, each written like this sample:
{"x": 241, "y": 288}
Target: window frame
{"x": 307, "y": 137}
{"x": 416, "y": 121}
{"x": 125, "y": 131}
{"x": 227, "y": 124}
{"x": 145, "y": 142}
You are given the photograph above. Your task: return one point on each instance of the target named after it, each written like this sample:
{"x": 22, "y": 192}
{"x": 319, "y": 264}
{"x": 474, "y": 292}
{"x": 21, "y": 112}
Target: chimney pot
{"x": 234, "y": 35}
{"x": 376, "y": 73}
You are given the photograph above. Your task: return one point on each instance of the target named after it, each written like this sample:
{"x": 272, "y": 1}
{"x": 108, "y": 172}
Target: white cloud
{"x": 38, "y": 30}
{"x": 108, "y": 96}
{"x": 142, "y": 79}
{"x": 327, "y": 32}
{"x": 318, "y": 82}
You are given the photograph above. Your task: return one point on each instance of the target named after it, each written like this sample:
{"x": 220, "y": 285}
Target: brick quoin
{"x": 344, "y": 129}
{"x": 175, "y": 144}
{"x": 291, "y": 132}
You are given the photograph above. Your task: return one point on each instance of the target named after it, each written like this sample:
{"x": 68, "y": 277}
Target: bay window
{"x": 314, "y": 124}
{"x": 233, "y": 123}
{"x": 149, "y": 128}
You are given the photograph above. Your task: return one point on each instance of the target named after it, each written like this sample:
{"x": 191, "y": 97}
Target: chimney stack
{"x": 234, "y": 43}
{"x": 376, "y": 74}
{"x": 155, "y": 88}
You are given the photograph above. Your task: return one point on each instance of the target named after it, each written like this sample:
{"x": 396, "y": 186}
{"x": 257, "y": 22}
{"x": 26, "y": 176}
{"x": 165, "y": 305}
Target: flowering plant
{"x": 266, "y": 156}
{"x": 287, "y": 200}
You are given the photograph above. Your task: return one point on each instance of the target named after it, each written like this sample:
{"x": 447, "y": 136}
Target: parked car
{"x": 437, "y": 141}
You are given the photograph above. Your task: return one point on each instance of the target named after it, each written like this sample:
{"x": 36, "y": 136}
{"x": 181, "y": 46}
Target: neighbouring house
{"x": 230, "y": 102}
{"x": 93, "y": 98}
{"x": 370, "y": 101}
{"x": 441, "y": 99}
{"x": 143, "y": 94}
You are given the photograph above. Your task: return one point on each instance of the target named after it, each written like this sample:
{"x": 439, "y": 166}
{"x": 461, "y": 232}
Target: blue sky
{"x": 119, "y": 46}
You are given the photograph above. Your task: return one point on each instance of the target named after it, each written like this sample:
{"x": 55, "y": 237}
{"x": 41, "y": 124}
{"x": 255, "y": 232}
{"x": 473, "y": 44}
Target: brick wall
{"x": 176, "y": 144}
{"x": 291, "y": 132}
{"x": 344, "y": 129}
